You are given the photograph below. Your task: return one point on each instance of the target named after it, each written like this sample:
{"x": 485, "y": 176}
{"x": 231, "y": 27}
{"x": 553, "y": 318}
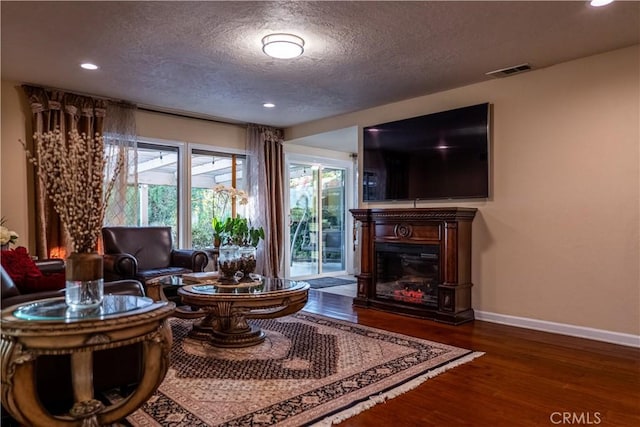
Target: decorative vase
{"x": 247, "y": 261}
{"x": 84, "y": 280}
{"x": 229, "y": 263}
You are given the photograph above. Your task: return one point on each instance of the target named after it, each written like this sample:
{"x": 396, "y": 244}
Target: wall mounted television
{"x": 443, "y": 155}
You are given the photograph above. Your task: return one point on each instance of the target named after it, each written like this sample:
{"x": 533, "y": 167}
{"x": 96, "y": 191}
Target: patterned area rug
{"x": 310, "y": 369}
{"x": 326, "y": 282}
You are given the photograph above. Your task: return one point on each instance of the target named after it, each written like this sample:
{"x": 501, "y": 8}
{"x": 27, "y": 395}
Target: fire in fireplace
{"x": 408, "y": 273}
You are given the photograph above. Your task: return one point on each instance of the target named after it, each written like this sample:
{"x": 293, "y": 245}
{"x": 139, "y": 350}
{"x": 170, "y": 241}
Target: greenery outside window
{"x": 163, "y": 173}
{"x": 208, "y": 170}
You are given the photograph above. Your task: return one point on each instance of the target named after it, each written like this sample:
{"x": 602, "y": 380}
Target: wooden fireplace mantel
{"x": 449, "y": 228}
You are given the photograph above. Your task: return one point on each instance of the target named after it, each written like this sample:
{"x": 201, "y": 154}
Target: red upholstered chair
{"x": 31, "y": 276}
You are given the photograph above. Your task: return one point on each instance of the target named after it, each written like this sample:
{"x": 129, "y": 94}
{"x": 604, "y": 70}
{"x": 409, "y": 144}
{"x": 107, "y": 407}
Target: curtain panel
{"x": 265, "y": 170}
{"x": 115, "y": 121}
{"x": 51, "y": 110}
{"x": 121, "y": 142}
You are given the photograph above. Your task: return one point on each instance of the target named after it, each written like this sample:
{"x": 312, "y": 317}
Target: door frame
{"x": 349, "y": 190}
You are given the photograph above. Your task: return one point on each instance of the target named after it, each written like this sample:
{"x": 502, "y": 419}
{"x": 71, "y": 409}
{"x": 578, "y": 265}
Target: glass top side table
{"x": 46, "y": 327}
{"x": 56, "y": 309}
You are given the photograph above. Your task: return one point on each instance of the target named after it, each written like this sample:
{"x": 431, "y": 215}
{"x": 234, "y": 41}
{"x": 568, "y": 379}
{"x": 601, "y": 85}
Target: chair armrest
{"x": 194, "y": 260}
{"x": 23, "y": 298}
{"x": 124, "y": 287}
{"x": 50, "y": 265}
{"x": 119, "y": 287}
{"x": 119, "y": 266}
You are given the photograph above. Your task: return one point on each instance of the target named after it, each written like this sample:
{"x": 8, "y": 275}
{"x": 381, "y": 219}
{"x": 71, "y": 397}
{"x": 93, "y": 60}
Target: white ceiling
{"x": 204, "y": 59}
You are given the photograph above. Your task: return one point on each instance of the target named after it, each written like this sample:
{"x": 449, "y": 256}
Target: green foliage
{"x": 218, "y": 226}
{"x": 163, "y": 205}
{"x": 202, "y": 205}
{"x": 255, "y": 234}
{"x": 239, "y": 231}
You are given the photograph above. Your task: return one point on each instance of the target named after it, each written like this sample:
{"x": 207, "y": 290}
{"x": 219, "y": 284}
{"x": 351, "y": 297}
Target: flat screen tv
{"x": 437, "y": 156}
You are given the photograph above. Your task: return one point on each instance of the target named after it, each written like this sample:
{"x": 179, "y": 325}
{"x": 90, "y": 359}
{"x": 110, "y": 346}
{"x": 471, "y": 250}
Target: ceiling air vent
{"x": 510, "y": 71}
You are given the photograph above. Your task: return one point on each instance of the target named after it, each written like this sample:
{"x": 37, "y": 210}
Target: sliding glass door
{"x": 317, "y": 219}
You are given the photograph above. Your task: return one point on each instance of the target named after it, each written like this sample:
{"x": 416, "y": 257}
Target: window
{"x": 209, "y": 169}
{"x": 158, "y": 186}
{"x": 155, "y": 193}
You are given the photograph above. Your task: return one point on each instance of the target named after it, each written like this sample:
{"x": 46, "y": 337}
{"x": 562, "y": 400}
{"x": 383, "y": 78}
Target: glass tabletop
{"x": 175, "y": 280}
{"x": 261, "y": 285}
{"x": 57, "y": 309}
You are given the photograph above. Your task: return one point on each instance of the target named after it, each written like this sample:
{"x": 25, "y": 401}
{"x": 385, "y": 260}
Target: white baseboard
{"x": 628, "y": 340}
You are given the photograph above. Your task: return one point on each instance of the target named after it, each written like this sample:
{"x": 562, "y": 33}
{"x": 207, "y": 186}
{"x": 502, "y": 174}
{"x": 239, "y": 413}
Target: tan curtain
{"x": 265, "y": 171}
{"x": 121, "y": 144}
{"x": 55, "y": 109}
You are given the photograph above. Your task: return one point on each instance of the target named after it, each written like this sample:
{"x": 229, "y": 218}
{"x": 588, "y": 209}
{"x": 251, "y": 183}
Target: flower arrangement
{"x": 7, "y": 236}
{"x": 72, "y": 172}
{"x": 237, "y": 234}
{"x": 224, "y": 197}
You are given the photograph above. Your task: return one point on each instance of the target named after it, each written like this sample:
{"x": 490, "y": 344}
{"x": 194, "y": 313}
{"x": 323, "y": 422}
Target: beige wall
{"x": 176, "y": 128}
{"x": 316, "y": 152}
{"x": 13, "y": 179}
{"x": 559, "y": 239}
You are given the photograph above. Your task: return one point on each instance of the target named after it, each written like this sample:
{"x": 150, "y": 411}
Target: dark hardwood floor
{"x": 525, "y": 378}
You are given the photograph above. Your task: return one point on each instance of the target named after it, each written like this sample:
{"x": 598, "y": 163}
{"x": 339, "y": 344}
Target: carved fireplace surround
{"x": 436, "y": 240}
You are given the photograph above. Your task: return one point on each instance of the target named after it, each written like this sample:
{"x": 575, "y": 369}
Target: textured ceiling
{"x": 204, "y": 59}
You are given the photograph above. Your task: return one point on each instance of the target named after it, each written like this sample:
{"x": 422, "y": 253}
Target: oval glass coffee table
{"x": 229, "y": 306}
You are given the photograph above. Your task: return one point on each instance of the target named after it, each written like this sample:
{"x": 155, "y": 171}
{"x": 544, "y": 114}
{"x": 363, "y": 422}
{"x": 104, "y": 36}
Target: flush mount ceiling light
{"x": 282, "y": 46}
{"x": 600, "y": 3}
{"x": 89, "y": 66}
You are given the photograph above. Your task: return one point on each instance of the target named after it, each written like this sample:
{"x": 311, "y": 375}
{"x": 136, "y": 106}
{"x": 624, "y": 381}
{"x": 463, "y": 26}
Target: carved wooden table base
{"x": 228, "y": 309}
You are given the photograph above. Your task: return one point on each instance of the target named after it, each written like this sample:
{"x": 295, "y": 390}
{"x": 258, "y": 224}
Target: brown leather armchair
{"x": 143, "y": 253}
{"x": 113, "y": 368}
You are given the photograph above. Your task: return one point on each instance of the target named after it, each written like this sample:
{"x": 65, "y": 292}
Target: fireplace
{"x": 416, "y": 262}
{"x": 408, "y": 273}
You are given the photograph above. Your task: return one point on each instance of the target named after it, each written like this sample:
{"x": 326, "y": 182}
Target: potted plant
{"x": 251, "y": 237}
{"x": 224, "y": 202}
{"x": 218, "y": 226}
{"x": 239, "y": 250}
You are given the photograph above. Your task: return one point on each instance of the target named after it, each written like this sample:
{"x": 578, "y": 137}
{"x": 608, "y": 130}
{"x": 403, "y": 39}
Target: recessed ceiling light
{"x": 268, "y": 105}
{"x": 89, "y": 66}
{"x": 600, "y": 3}
{"x": 282, "y": 46}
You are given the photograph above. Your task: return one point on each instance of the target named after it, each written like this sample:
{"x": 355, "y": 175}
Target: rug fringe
{"x": 382, "y": 397}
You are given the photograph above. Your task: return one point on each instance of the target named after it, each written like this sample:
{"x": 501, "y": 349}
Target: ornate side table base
{"x": 23, "y": 341}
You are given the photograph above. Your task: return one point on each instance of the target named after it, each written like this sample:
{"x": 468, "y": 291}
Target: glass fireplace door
{"x": 408, "y": 273}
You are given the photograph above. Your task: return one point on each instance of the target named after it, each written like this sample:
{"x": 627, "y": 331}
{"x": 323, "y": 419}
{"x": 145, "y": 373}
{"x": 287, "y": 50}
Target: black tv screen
{"x": 437, "y": 156}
